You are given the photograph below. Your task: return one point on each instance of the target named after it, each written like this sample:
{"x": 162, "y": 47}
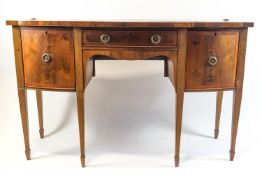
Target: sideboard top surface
{"x": 111, "y": 24}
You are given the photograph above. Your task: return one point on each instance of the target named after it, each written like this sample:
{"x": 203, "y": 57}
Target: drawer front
{"x": 211, "y": 59}
{"x": 109, "y": 38}
{"x": 48, "y": 57}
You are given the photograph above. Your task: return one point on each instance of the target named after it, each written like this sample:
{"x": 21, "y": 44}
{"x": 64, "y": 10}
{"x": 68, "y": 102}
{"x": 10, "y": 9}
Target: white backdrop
{"x": 129, "y": 105}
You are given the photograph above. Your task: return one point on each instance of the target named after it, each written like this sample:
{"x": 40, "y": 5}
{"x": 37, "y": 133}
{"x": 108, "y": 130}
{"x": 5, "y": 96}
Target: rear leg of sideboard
{"x": 170, "y": 69}
{"x": 39, "y": 101}
{"x": 218, "y": 112}
{"x": 88, "y": 68}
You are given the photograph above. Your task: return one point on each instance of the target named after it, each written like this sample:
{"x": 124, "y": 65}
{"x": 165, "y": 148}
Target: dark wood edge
{"x": 104, "y": 24}
{"x": 51, "y": 89}
{"x": 210, "y": 89}
{"x": 130, "y": 48}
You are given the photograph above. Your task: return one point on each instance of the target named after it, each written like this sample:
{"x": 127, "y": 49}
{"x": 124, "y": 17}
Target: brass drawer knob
{"x": 105, "y": 38}
{"x": 46, "y": 57}
{"x": 212, "y": 61}
{"x": 155, "y": 39}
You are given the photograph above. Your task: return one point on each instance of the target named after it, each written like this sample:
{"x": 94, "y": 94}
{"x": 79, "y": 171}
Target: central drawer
{"x": 107, "y": 38}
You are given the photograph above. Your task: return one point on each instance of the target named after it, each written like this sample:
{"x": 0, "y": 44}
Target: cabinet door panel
{"x": 211, "y": 59}
{"x": 48, "y": 57}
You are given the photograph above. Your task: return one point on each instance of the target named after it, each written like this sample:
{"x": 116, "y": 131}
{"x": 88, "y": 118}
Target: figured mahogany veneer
{"x": 131, "y": 24}
{"x": 59, "y": 71}
{"x": 129, "y": 38}
{"x": 201, "y": 46}
{"x": 198, "y": 56}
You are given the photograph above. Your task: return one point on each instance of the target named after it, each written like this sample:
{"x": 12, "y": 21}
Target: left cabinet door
{"x": 48, "y": 58}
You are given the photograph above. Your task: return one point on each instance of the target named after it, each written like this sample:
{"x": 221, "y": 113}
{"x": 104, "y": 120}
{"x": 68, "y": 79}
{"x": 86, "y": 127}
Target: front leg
{"x": 235, "y": 119}
{"x": 180, "y": 88}
{"x": 23, "y": 110}
{"x": 80, "y": 90}
{"x": 238, "y": 91}
{"x": 81, "y": 122}
{"x": 179, "y": 111}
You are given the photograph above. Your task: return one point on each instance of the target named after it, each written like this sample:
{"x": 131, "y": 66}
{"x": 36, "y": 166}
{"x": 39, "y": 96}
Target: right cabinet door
{"x": 211, "y": 60}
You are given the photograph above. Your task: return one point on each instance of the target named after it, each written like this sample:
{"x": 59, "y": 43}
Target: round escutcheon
{"x": 46, "y": 57}
{"x": 105, "y": 38}
{"x": 212, "y": 61}
{"x": 155, "y": 39}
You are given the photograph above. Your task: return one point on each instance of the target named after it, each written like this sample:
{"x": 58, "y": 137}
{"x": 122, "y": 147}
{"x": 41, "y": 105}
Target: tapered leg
{"x": 81, "y": 122}
{"x": 24, "y": 117}
{"x": 235, "y": 119}
{"x": 179, "y": 73}
{"x": 179, "y": 111}
{"x": 218, "y": 112}
{"x": 40, "y": 112}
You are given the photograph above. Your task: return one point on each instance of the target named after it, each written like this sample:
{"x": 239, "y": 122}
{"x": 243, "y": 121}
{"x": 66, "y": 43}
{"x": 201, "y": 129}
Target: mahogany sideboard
{"x": 198, "y": 56}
